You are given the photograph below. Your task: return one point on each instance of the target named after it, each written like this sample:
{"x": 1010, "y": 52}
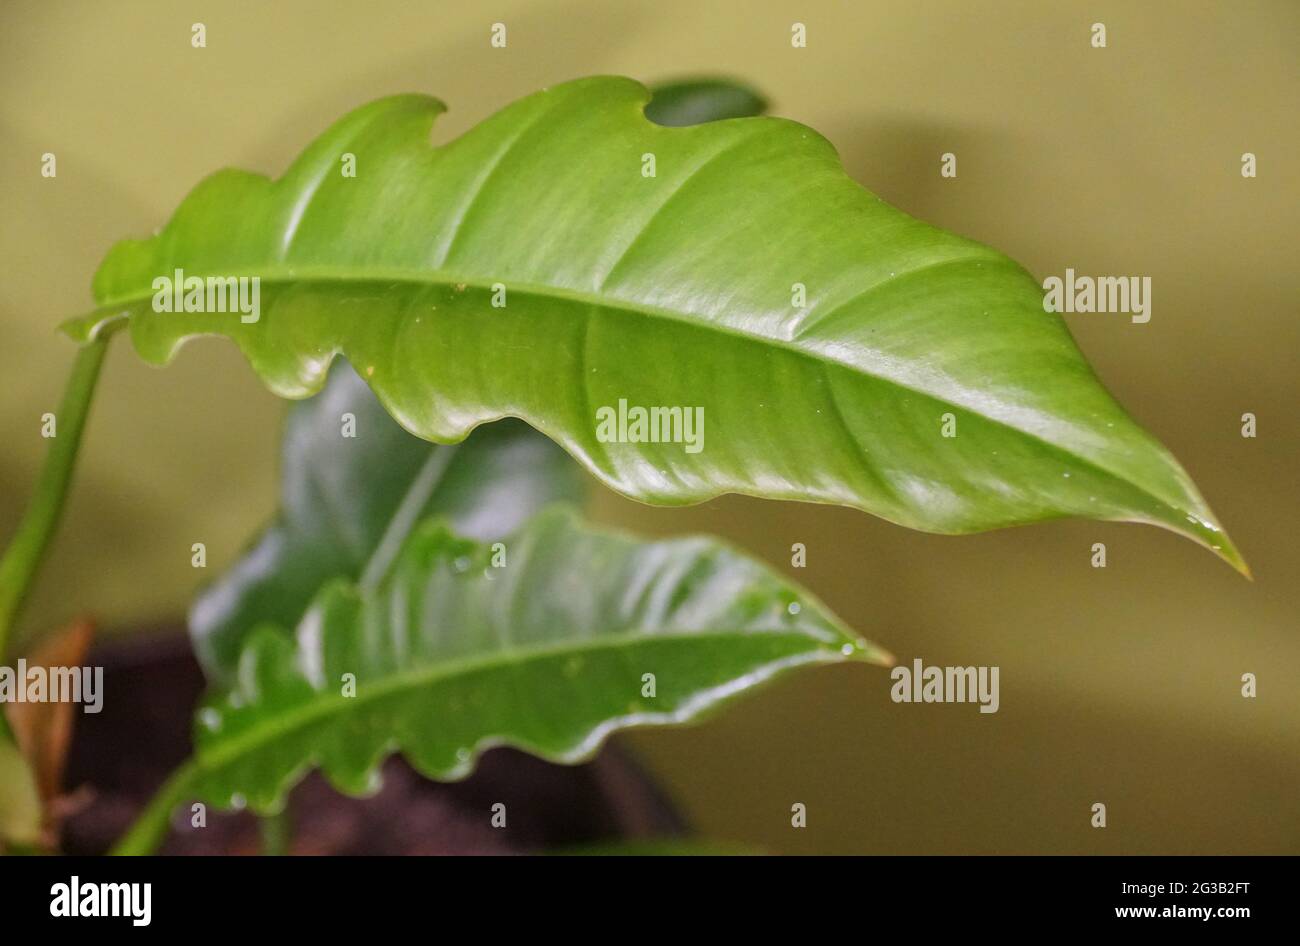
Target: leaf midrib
{"x": 326, "y": 703}
{"x": 405, "y": 515}
{"x": 307, "y": 274}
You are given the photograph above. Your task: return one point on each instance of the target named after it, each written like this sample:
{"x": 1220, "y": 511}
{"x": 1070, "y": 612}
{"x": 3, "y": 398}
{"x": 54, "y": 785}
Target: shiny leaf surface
{"x": 831, "y": 341}
{"x": 544, "y": 644}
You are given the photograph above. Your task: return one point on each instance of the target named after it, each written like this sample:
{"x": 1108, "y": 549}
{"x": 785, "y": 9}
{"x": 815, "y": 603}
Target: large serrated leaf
{"x": 457, "y": 650}
{"x": 676, "y": 289}
{"x": 353, "y": 486}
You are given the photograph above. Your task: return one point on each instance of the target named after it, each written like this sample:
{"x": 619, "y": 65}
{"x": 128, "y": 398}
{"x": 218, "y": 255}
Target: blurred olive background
{"x": 1119, "y": 685}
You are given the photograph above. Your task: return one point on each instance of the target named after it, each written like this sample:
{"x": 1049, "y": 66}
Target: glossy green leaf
{"x": 458, "y": 649}
{"x": 353, "y": 486}
{"x": 677, "y": 289}
{"x": 694, "y": 101}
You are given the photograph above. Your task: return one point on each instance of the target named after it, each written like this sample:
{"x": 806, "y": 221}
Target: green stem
{"x": 150, "y": 828}
{"x": 277, "y": 833}
{"x": 23, "y": 557}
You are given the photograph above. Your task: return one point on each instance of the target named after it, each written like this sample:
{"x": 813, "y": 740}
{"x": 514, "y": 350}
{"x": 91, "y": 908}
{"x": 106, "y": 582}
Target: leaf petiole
{"x": 27, "y": 548}
{"x": 150, "y": 826}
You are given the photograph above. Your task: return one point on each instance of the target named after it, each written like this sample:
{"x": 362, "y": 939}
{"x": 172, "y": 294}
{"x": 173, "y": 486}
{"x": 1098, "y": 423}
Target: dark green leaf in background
{"x": 348, "y": 503}
{"x": 695, "y": 101}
